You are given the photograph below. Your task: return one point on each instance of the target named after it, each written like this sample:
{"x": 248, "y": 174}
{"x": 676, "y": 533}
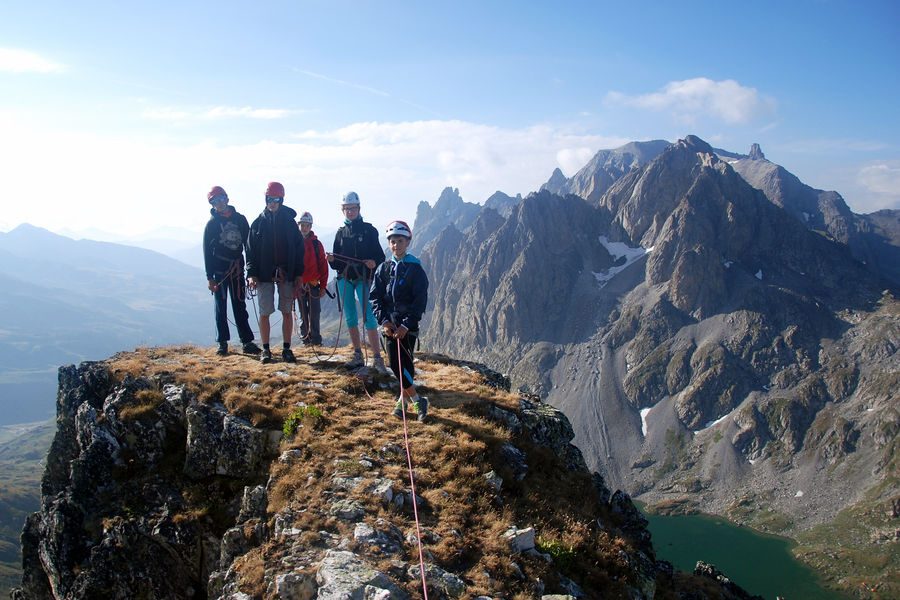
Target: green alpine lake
{"x": 761, "y": 564}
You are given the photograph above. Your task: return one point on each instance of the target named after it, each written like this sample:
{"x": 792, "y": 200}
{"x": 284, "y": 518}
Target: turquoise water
{"x": 759, "y": 563}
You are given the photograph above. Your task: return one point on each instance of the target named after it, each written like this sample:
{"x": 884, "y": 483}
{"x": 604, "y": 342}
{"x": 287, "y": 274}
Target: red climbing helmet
{"x": 398, "y": 228}
{"x": 274, "y": 190}
{"x": 216, "y": 192}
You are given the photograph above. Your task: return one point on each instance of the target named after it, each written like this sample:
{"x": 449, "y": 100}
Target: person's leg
{"x": 314, "y": 314}
{"x": 285, "y": 305}
{"x": 220, "y": 307}
{"x": 236, "y": 287}
{"x": 303, "y": 306}
{"x": 266, "y": 298}
{"x": 362, "y": 292}
{"x": 346, "y": 290}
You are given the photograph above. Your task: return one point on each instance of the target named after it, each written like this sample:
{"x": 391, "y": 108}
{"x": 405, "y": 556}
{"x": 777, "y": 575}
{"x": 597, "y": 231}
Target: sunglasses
{"x": 274, "y": 199}
{"x": 217, "y": 199}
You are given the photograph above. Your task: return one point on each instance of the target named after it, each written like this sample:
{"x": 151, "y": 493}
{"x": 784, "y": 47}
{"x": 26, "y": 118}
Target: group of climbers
{"x": 286, "y": 255}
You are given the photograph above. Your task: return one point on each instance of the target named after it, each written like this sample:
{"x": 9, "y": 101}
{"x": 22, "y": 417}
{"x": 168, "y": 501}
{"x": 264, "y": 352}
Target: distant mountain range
{"x": 722, "y": 337}
{"x": 68, "y": 301}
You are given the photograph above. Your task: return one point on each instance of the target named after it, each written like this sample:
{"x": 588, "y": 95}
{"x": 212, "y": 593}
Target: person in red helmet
{"x": 224, "y": 241}
{"x": 315, "y": 279}
{"x": 275, "y": 259}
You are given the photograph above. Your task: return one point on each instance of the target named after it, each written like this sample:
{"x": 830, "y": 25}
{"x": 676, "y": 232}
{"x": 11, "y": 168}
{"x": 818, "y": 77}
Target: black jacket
{"x": 224, "y": 240}
{"x": 268, "y": 233}
{"x": 399, "y": 292}
{"x": 359, "y": 240}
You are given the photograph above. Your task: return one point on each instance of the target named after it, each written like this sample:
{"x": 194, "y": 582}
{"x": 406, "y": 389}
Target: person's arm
{"x": 337, "y": 248}
{"x": 419, "y": 289}
{"x": 322, "y": 266}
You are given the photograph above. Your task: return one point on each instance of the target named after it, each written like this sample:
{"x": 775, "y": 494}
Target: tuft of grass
{"x": 306, "y": 414}
{"x": 147, "y": 403}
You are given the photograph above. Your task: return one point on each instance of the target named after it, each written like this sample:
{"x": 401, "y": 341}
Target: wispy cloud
{"x": 690, "y": 100}
{"x": 366, "y": 88}
{"x": 357, "y": 86}
{"x": 14, "y": 60}
{"x": 218, "y": 112}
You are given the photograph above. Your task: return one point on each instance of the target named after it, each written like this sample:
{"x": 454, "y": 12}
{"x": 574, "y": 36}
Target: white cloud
{"x": 882, "y": 178}
{"x": 571, "y": 160}
{"x": 13, "y": 60}
{"x": 691, "y": 99}
{"x": 130, "y": 184}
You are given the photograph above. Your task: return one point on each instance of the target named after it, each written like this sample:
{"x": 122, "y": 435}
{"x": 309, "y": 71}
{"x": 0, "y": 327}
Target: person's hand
{"x": 388, "y": 329}
{"x": 369, "y": 263}
{"x": 252, "y": 282}
{"x": 329, "y": 256}
{"x": 212, "y": 285}
{"x": 401, "y": 332}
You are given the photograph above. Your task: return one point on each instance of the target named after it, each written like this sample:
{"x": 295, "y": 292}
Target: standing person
{"x": 315, "y": 280}
{"x": 275, "y": 258}
{"x": 357, "y": 241}
{"x": 399, "y": 296}
{"x": 224, "y": 239}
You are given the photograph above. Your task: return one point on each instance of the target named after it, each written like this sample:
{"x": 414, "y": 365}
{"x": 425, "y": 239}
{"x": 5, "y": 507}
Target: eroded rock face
{"x": 114, "y": 520}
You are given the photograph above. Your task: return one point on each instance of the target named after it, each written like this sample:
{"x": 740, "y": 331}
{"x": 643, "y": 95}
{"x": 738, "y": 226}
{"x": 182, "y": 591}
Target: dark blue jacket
{"x": 399, "y": 292}
{"x": 270, "y": 234}
{"x": 357, "y": 239}
{"x": 224, "y": 239}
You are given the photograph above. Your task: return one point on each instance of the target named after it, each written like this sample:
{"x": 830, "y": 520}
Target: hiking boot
{"x": 251, "y": 348}
{"x": 266, "y": 356}
{"x": 288, "y": 356}
{"x": 398, "y": 409}
{"x": 222, "y": 350}
{"x": 357, "y": 360}
{"x": 421, "y": 407}
{"x": 378, "y": 365}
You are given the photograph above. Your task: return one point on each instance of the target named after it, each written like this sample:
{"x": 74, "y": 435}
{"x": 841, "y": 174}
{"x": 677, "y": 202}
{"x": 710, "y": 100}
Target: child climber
{"x": 399, "y": 295}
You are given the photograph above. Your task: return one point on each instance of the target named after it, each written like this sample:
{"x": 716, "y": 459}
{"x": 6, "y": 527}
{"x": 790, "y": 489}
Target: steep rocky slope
{"x": 712, "y": 352}
{"x": 873, "y": 239}
{"x": 178, "y": 474}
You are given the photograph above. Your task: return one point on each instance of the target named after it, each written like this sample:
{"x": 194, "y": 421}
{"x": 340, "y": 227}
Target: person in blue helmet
{"x": 355, "y": 254}
{"x": 399, "y": 295}
{"x": 224, "y": 241}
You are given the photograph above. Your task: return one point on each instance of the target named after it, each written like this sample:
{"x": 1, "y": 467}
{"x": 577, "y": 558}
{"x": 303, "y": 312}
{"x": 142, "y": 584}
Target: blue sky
{"x": 119, "y": 116}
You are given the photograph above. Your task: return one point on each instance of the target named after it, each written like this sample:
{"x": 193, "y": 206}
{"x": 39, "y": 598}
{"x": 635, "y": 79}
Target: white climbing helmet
{"x": 350, "y": 198}
{"x": 398, "y": 228}
{"x": 306, "y": 218}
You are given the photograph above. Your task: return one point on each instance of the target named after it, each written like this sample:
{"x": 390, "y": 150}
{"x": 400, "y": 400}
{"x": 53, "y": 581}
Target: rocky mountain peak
{"x": 557, "y": 183}
{"x": 695, "y": 144}
{"x": 756, "y": 152}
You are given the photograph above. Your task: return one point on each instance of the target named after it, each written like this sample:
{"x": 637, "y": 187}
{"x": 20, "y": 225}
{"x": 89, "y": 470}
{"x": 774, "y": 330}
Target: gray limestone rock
{"x": 343, "y": 575}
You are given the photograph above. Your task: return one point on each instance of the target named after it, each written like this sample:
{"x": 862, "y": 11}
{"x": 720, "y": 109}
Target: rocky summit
{"x": 715, "y": 350}
{"x": 175, "y": 473}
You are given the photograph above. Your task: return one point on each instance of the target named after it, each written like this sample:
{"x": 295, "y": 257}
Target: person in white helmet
{"x": 399, "y": 295}
{"x": 315, "y": 279}
{"x": 355, "y": 254}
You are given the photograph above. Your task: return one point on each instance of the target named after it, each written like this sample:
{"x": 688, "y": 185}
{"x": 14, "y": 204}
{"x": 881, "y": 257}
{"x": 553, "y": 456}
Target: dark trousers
{"x": 232, "y": 285}
{"x": 310, "y": 305}
{"x": 402, "y": 362}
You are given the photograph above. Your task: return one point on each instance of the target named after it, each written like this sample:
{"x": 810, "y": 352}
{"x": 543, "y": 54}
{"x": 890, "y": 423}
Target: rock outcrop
{"x": 157, "y": 488}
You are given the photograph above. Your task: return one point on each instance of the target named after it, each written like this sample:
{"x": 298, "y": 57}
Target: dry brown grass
{"x": 147, "y": 403}
{"x": 450, "y": 455}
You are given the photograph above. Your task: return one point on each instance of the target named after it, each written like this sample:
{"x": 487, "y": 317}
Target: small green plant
{"x": 295, "y": 420}
{"x": 563, "y": 555}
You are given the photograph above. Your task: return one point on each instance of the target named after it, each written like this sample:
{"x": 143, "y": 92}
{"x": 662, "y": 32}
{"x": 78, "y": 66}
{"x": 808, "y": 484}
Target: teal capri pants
{"x": 359, "y": 287}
